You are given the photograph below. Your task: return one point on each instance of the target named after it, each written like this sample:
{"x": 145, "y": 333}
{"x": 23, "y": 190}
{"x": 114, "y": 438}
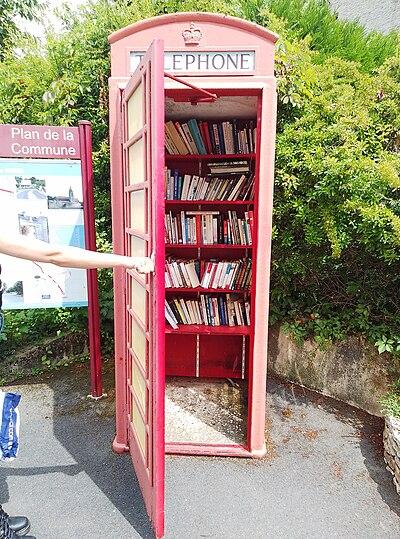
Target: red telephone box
{"x": 202, "y": 86}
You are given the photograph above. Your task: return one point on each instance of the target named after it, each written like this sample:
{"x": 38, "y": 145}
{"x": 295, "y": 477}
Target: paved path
{"x": 323, "y": 476}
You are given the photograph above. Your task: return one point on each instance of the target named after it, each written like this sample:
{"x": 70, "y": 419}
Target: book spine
{"x": 190, "y": 139}
{"x": 194, "y": 129}
{"x": 218, "y": 148}
{"x": 183, "y": 136}
{"x": 235, "y": 136}
{"x": 221, "y": 138}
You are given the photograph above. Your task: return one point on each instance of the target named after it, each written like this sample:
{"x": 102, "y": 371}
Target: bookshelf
{"x": 191, "y": 348}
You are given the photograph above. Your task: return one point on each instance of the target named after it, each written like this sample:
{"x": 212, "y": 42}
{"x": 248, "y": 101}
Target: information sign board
{"x": 42, "y": 199}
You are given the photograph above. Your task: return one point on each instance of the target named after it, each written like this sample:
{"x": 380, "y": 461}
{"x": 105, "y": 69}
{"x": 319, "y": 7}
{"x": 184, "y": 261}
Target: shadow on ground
{"x": 323, "y": 476}
{"x": 85, "y": 430}
{"x": 366, "y": 431}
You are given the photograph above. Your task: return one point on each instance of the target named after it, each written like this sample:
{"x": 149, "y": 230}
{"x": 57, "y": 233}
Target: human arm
{"x": 70, "y": 257}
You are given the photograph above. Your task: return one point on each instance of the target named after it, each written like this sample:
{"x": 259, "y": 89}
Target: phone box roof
{"x": 194, "y": 33}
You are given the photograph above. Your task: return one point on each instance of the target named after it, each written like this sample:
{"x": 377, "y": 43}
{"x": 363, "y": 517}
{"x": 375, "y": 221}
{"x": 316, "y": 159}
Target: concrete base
{"x": 206, "y": 410}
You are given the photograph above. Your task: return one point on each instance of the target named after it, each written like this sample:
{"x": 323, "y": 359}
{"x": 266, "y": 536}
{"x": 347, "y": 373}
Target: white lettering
{"x": 51, "y": 135}
{"x": 20, "y": 132}
{"x": 58, "y": 151}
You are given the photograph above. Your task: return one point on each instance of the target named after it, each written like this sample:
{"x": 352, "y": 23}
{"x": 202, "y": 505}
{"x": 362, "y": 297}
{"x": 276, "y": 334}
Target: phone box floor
{"x": 206, "y": 410}
{"x": 324, "y": 475}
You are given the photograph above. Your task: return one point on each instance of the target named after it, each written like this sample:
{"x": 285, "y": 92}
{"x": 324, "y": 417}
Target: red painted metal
{"x": 193, "y": 98}
{"x": 213, "y": 157}
{"x": 201, "y": 290}
{"x": 203, "y": 246}
{"x": 209, "y": 202}
{"x": 85, "y": 141}
{"x": 209, "y": 330}
{"x": 144, "y": 432}
{"x": 196, "y": 350}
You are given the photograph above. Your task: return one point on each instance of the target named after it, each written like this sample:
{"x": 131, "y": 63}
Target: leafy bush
{"x": 332, "y": 37}
{"x": 391, "y": 401}
{"x": 336, "y": 228}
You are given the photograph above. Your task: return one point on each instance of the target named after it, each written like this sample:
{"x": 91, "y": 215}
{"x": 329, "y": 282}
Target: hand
{"x": 143, "y": 264}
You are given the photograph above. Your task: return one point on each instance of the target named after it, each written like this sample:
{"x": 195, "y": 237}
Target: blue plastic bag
{"x": 9, "y": 429}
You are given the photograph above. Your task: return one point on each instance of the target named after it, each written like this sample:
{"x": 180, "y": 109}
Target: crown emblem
{"x": 192, "y": 35}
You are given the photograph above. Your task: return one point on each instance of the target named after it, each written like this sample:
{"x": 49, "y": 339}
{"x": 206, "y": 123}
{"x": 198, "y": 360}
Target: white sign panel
{"x": 217, "y": 62}
{"x": 42, "y": 199}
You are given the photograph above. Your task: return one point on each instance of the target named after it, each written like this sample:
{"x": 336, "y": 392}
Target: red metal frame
{"x": 96, "y": 378}
{"x": 148, "y": 460}
{"x": 209, "y": 97}
{"x": 219, "y": 33}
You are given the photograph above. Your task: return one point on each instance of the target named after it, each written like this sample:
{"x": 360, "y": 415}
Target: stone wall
{"x": 351, "y": 371}
{"x": 391, "y": 443}
{"x": 52, "y": 351}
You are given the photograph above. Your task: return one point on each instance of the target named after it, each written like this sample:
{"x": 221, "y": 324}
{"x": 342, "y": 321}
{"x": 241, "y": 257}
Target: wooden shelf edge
{"x": 208, "y": 330}
{"x": 207, "y": 290}
{"x": 209, "y": 202}
{"x": 202, "y": 246}
{"x": 189, "y": 156}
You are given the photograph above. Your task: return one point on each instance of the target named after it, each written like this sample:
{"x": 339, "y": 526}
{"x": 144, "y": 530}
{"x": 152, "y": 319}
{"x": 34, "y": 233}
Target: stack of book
{"x": 228, "y": 275}
{"x": 209, "y": 310}
{"x": 209, "y": 227}
{"x": 230, "y": 186}
{"x": 200, "y": 137}
{"x": 182, "y": 273}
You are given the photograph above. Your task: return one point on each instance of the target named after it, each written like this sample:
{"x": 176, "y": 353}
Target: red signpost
{"x": 72, "y": 143}
{"x": 96, "y": 378}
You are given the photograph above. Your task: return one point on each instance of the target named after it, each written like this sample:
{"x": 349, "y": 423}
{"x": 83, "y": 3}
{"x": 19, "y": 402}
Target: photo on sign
{"x": 33, "y": 226}
{"x": 65, "y": 202}
{"x": 42, "y": 200}
{"x": 30, "y": 188}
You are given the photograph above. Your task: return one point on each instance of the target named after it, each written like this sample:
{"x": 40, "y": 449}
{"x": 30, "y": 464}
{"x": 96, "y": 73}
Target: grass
{"x": 391, "y": 401}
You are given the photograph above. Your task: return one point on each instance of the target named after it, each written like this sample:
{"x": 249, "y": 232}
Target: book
{"x": 176, "y": 138}
{"x": 170, "y": 317}
{"x": 194, "y": 129}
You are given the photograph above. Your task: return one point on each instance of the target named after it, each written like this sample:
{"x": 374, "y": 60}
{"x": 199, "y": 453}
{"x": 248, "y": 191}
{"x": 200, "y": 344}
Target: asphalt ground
{"x": 323, "y": 476}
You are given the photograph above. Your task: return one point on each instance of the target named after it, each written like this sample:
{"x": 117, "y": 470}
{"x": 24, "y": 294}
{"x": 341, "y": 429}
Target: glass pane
{"x": 135, "y": 111}
{"x": 138, "y": 211}
{"x": 138, "y": 246}
{"x": 139, "y": 343}
{"x": 139, "y": 385}
{"x": 138, "y": 300}
{"x": 139, "y": 426}
{"x": 136, "y": 162}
